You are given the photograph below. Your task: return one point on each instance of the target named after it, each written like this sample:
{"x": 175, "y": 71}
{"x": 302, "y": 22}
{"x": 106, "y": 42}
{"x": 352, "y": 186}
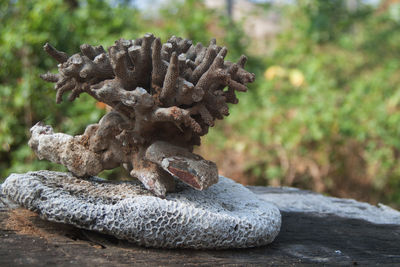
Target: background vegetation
{"x": 324, "y": 113}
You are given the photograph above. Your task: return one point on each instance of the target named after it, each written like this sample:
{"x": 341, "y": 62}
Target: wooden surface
{"x": 305, "y": 238}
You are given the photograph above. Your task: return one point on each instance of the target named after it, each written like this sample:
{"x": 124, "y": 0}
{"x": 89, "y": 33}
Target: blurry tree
{"x": 326, "y": 114}
{"x": 25, "y": 99}
{"x": 329, "y": 20}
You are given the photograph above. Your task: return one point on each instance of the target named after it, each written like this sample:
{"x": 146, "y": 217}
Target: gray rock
{"x": 291, "y": 200}
{"x": 226, "y": 215}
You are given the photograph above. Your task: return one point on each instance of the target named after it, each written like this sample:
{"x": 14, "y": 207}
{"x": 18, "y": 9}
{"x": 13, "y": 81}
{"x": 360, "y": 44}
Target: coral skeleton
{"x": 164, "y": 97}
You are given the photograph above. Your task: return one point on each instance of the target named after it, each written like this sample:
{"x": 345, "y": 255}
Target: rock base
{"x": 226, "y": 215}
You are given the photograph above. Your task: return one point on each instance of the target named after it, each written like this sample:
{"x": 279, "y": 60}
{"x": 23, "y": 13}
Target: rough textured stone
{"x": 227, "y": 215}
{"x": 289, "y": 199}
{"x": 305, "y": 238}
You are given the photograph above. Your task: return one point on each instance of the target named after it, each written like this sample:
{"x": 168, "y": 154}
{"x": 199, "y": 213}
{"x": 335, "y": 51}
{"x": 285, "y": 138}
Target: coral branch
{"x": 61, "y": 57}
{"x": 159, "y": 66}
{"x": 169, "y": 86}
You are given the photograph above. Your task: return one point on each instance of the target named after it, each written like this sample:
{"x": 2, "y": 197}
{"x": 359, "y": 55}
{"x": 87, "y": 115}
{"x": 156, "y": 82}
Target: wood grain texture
{"x": 305, "y": 238}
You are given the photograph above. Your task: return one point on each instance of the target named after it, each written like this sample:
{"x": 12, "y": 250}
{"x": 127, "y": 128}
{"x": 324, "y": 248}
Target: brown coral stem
{"x": 61, "y": 57}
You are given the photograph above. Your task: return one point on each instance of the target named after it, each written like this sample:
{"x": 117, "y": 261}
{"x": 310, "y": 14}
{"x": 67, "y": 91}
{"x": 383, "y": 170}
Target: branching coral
{"x": 163, "y": 96}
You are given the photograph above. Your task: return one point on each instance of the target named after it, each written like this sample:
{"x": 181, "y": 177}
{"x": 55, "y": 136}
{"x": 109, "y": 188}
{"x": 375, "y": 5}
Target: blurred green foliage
{"x": 25, "y": 98}
{"x": 326, "y": 114}
{"x": 323, "y": 114}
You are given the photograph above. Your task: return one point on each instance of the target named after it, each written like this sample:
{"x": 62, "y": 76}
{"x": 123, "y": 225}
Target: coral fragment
{"x": 163, "y": 98}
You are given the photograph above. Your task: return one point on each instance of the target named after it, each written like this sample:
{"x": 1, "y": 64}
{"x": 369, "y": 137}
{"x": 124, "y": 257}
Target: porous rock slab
{"x": 227, "y": 215}
{"x": 292, "y": 200}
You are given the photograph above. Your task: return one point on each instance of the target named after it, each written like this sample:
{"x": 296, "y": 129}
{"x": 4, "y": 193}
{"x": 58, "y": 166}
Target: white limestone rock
{"x": 226, "y": 215}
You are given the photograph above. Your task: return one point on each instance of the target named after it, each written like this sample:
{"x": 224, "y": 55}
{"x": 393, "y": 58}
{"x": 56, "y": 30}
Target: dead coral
{"x": 164, "y": 97}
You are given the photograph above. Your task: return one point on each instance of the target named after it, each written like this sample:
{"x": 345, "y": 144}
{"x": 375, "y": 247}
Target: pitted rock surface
{"x": 226, "y": 215}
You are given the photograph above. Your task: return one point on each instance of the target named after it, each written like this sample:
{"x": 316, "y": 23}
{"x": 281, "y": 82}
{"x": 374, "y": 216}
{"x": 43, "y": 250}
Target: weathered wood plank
{"x": 304, "y": 238}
